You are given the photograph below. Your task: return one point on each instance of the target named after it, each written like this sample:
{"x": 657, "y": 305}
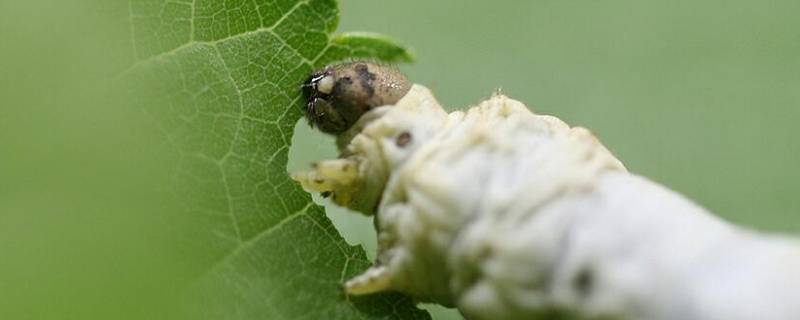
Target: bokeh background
{"x": 701, "y": 96}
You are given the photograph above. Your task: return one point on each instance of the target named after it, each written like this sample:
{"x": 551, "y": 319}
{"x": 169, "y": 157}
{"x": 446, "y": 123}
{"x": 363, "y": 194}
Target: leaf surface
{"x": 220, "y": 79}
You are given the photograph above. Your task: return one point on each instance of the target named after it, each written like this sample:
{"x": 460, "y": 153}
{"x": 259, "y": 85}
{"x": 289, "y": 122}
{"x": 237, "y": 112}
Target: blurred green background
{"x": 701, "y": 96}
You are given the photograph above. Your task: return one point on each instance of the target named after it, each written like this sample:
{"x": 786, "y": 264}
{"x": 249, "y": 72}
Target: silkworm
{"x": 508, "y": 214}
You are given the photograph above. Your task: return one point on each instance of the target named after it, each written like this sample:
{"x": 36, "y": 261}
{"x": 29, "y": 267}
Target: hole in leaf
{"x": 309, "y": 146}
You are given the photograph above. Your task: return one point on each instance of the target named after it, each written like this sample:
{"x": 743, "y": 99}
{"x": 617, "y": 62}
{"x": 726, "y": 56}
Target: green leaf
{"x": 221, "y": 79}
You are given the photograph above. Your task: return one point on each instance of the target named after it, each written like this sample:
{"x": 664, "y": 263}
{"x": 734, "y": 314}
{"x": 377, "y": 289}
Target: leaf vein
{"x": 192, "y": 43}
{"x": 247, "y": 243}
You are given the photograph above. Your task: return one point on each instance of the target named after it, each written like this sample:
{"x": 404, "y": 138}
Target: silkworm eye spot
{"x": 325, "y": 85}
{"x": 403, "y": 139}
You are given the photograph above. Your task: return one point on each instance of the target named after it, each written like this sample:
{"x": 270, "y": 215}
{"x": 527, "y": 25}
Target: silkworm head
{"x": 337, "y": 96}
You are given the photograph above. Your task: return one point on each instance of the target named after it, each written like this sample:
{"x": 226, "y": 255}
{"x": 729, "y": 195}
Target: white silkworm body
{"x": 506, "y": 214}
